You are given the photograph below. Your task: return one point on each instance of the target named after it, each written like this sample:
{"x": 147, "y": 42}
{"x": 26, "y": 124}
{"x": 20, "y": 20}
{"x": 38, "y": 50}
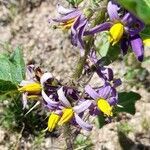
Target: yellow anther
{"x": 32, "y": 88}
{"x": 67, "y": 116}
{"x": 67, "y": 24}
{"x": 52, "y": 121}
{"x": 105, "y": 107}
{"x": 116, "y": 32}
{"x": 146, "y": 42}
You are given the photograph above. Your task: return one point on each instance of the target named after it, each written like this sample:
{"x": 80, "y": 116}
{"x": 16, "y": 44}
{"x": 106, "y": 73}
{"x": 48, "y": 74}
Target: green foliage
{"x": 38, "y": 140}
{"x": 125, "y": 128}
{"x": 136, "y": 74}
{"x": 141, "y": 8}
{"x": 100, "y": 121}
{"x": 146, "y": 124}
{"x": 83, "y": 143}
{"x": 146, "y": 32}
{"x": 102, "y": 44}
{"x": 74, "y": 2}
{"x": 12, "y": 71}
{"x": 106, "y": 51}
{"x": 13, "y": 117}
{"x": 127, "y": 102}
{"x": 95, "y": 2}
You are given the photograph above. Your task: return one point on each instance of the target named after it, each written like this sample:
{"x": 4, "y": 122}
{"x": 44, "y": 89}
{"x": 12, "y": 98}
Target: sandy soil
{"x": 52, "y": 50}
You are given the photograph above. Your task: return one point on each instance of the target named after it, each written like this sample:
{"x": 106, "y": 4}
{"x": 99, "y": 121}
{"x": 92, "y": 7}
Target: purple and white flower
{"x": 124, "y": 29}
{"x": 75, "y": 20}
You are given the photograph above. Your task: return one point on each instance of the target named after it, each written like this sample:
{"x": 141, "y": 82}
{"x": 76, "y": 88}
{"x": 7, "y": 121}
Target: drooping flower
{"x": 30, "y": 88}
{"x": 104, "y": 98}
{"x": 105, "y": 73}
{"x": 75, "y": 20}
{"x": 34, "y": 87}
{"x": 70, "y": 113}
{"x": 122, "y": 29}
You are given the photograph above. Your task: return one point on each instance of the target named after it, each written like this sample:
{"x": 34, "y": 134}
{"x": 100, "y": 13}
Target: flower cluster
{"x": 69, "y": 104}
{"x": 124, "y": 28}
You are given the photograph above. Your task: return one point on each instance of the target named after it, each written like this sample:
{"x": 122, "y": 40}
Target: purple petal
{"x": 124, "y": 46}
{"x": 62, "y": 10}
{"x": 137, "y": 46}
{"x": 77, "y": 31}
{"x": 62, "y": 97}
{"x": 92, "y": 56}
{"x": 112, "y": 101}
{"x": 117, "y": 82}
{"x": 105, "y": 73}
{"x": 99, "y": 28}
{"x": 69, "y": 16}
{"x": 104, "y": 92}
{"x": 112, "y": 10}
{"x": 82, "y": 124}
{"x": 91, "y": 92}
{"x": 135, "y": 25}
{"x": 80, "y": 38}
{"x": 45, "y": 77}
{"x": 48, "y": 100}
{"x": 82, "y": 107}
{"x": 127, "y": 18}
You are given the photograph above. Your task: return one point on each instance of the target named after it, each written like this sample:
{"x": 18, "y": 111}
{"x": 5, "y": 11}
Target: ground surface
{"x": 52, "y": 50}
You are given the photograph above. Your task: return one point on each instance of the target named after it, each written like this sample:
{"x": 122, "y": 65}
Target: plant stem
{"x": 78, "y": 72}
{"x": 68, "y": 137}
{"x": 82, "y": 60}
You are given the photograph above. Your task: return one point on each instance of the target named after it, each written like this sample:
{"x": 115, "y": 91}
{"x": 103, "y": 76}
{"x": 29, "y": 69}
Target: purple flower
{"x": 74, "y": 19}
{"x": 70, "y": 113}
{"x": 106, "y": 74}
{"x": 104, "y": 98}
{"x": 35, "y": 86}
{"x": 124, "y": 29}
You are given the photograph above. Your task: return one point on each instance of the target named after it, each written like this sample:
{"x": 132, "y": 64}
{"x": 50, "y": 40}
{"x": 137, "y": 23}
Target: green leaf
{"x": 140, "y": 8}
{"x": 17, "y": 59}
{"x": 146, "y": 32}
{"x": 127, "y": 100}
{"x": 12, "y": 70}
{"x": 113, "y": 53}
{"x": 6, "y": 86}
{"x": 102, "y": 44}
{"x": 74, "y": 2}
{"x": 100, "y": 121}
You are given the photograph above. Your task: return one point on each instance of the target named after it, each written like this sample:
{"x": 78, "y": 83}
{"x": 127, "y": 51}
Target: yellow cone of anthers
{"x": 146, "y": 42}
{"x": 52, "y": 121}
{"x": 116, "y": 32}
{"x": 105, "y": 107}
{"x": 67, "y": 24}
{"x": 66, "y": 117}
{"x": 31, "y": 88}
